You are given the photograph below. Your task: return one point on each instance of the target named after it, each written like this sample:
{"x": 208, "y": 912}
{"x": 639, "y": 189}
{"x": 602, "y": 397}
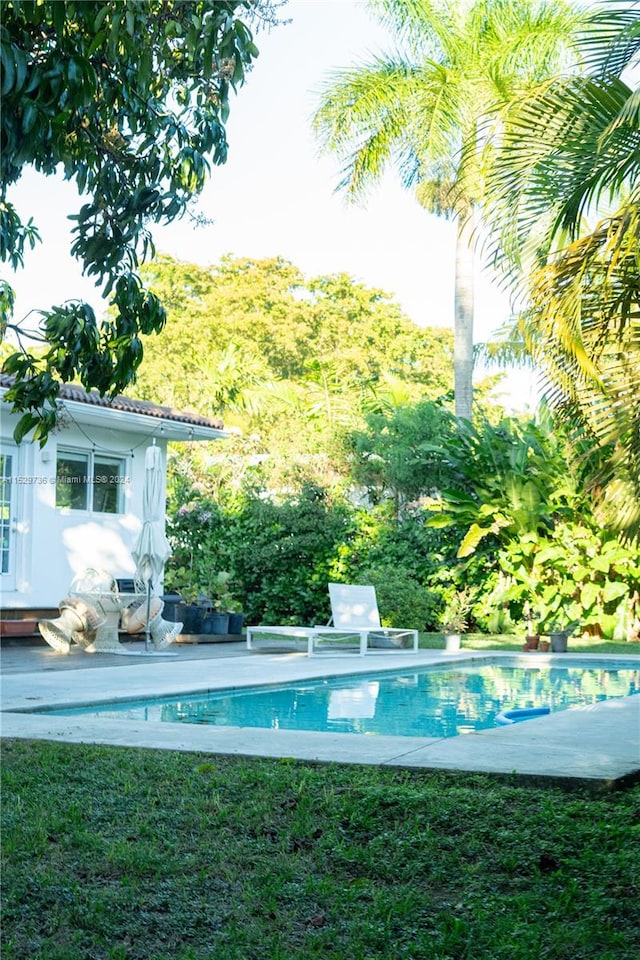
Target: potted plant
{"x": 559, "y": 631}
{"x": 224, "y": 606}
{"x": 532, "y": 639}
{"x": 196, "y": 605}
{"x": 454, "y": 620}
{"x": 191, "y": 609}
{"x": 562, "y": 614}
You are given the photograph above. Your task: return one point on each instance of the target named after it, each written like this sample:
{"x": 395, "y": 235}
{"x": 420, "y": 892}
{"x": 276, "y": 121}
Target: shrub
{"x": 280, "y": 554}
{"x": 402, "y": 600}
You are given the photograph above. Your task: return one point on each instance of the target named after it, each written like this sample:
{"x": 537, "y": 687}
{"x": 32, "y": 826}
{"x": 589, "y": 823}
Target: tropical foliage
{"x": 294, "y": 539}
{"x": 521, "y": 502}
{"x": 565, "y": 204}
{"x": 510, "y": 529}
{"x": 397, "y": 455}
{"x": 347, "y": 431}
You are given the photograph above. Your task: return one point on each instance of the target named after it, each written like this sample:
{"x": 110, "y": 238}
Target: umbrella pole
{"x": 147, "y": 626}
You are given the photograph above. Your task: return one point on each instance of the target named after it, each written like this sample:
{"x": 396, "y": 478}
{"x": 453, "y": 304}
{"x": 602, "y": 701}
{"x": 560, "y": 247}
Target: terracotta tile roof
{"x": 70, "y": 391}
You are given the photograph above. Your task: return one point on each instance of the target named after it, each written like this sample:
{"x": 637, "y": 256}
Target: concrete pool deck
{"x": 598, "y": 744}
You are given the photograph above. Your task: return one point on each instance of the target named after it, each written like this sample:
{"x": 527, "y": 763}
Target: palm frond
{"x": 511, "y": 347}
{"x": 611, "y": 40}
{"x": 565, "y": 151}
{"x": 630, "y": 112}
{"x": 523, "y": 42}
{"x": 355, "y": 99}
{"x": 586, "y": 316}
{"x": 385, "y": 111}
{"x": 363, "y": 119}
{"x": 406, "y": 20}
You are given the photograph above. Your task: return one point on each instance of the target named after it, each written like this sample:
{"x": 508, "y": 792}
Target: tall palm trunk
{"x": 429, "y": 109}
{"x": 463, "y": 331}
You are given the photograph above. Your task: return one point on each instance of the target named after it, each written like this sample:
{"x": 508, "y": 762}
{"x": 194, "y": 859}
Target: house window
{"x": 89, "y": 481}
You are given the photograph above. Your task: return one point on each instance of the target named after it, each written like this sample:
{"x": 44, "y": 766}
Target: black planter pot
{"x": 191, "y": 616}
{"x": 235, "y": 623}
{"x": 216, "y": 623}
{"x": 172, "y": 601}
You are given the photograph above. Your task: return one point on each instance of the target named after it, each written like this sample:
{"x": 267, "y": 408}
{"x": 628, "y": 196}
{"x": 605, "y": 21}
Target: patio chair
{"x": 355, "y": 616}
{"x": 354, "y": 627}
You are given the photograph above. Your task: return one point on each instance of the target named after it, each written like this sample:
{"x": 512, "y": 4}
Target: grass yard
{"x": 124, "y": 854}
{"x": 507, "y": 643}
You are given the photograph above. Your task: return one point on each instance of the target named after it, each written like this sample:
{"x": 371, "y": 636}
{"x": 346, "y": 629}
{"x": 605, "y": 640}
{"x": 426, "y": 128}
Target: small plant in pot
{"x": 224, "y": 606}
{"x": 532, "y": 640}
{"x": 454, "y": 620}
{"x": 227, "y": 602}
{"x": 562, "y": 616}
{"x": 191, "y": 609}
{"x": 559, "y": 631}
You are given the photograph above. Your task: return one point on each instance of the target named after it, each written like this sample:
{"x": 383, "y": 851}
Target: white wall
{"x": 52, "y": 545}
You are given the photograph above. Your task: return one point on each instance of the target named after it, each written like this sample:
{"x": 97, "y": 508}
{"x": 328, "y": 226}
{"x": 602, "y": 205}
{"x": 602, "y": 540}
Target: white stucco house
{"x": 77, "y": 502}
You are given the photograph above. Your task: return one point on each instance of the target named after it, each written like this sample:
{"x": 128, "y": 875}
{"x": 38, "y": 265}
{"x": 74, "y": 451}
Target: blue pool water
{"x": 441, "y": 701}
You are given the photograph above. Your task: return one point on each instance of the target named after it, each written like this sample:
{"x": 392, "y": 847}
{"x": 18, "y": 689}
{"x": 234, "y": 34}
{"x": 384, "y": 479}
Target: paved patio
{"x": 598, "y": 744}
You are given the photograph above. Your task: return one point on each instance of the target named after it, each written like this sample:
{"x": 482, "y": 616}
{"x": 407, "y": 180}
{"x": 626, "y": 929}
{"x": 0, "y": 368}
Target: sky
{"x": 276, "y": 196}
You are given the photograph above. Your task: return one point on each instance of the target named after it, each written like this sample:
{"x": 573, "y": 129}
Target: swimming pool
{"x": 431, "y": 701}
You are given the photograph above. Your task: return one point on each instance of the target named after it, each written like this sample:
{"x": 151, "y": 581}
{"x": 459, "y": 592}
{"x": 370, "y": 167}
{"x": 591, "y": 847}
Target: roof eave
{"x": 163, "y": 428}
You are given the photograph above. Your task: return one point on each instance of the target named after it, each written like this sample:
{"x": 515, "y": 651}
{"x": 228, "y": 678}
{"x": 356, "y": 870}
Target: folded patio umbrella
{"x": 152, "y": 549}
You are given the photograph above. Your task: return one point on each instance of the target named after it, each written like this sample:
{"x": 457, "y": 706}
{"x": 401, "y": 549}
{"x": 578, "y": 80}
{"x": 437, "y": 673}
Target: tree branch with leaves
{"x": 130, "y": 100}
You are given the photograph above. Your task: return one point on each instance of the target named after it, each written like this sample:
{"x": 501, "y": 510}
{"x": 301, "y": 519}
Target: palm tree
{"x": 431, "y": 109}
{"x": 564, "y": 196}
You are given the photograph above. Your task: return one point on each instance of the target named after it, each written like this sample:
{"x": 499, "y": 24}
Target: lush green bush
{"x": 517, "y": 530}
{"x": 402, "y": 600}
{"x": 520, "y": 508}
{"x": 406, "y": 552}
{"x": 280, "y": 553}
{"x": 491, "y": 613}
{"x": 398, "y": 454}
{"x": 195, "y": 529}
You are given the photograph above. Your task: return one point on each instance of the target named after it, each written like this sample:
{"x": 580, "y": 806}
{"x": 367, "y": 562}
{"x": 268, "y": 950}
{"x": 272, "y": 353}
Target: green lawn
{"x": 124, "y": 854}
{"x": 482, "y": 641}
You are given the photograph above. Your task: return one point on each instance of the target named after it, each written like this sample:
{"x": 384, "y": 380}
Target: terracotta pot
{"x": 531, "y": 643}
{"x": 544, "y": 645}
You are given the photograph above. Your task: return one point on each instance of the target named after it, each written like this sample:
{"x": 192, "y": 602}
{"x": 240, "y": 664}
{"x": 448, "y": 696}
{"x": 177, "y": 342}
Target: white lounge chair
{"x": 355, "y": 627}
{"x": 283, "y": 639}
{"x": 355, "y": 616}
